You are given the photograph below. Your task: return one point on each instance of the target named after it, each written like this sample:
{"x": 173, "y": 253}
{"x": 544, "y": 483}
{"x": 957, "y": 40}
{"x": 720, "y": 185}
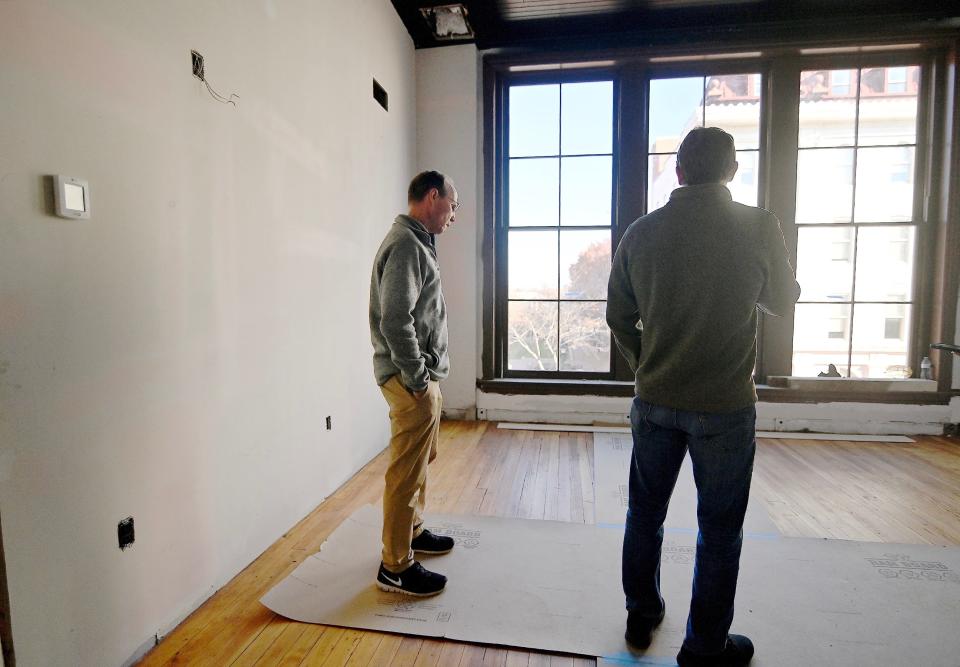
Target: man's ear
{"x": 681, "y": 179}
{"x": 733, "y": 171}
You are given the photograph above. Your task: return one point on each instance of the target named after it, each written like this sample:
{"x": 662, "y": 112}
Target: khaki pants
{"x": 414, "y": 431}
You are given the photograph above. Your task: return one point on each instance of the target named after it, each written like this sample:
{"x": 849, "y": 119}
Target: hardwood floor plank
{"x": 517, "y": 658}
{"x": 386, "y": 651}
{"x": 494, "y": 656}
{"x": 344, "y": 648}
{"x": 406, "y": 655}
{"x": 290, "y": 633}
{"x": 429, "y": 655}
{"x": 323, "y": 647}
{"x": 451, "y": 654}
{"x": 472, "y": 656}
{"x": 539, "y": 660}
{"x": 299, "y": 649}
{"x": 262, "y": 642}
{"x": 365, "y": 650}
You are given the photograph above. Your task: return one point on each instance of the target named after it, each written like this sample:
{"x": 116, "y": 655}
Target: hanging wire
{"x": 218, "y": 97}
{"x": 199, "y": 73}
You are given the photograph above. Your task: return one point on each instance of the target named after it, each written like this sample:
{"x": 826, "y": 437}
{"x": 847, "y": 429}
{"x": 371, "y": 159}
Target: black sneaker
{"x": 415, "y": 580}
{"x": 428, "y": 543}
{"x": 640, "y": 629}
{"x": 737, "y": 653}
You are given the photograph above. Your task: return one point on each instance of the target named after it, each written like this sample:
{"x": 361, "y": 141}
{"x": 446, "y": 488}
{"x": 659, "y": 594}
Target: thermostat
{"x": 72, "y": 197}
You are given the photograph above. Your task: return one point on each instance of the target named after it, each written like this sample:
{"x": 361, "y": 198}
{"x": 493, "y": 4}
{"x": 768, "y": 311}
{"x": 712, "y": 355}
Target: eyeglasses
{"x": 454, "y": 204}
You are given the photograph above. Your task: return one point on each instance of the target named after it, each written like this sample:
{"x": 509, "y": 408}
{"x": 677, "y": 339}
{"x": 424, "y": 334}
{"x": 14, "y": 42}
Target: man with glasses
{"x": 684, "y": 289}
{"x": 408, "y": 328}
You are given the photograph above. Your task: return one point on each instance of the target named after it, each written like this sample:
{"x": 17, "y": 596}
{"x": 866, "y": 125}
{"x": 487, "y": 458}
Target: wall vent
{"x": 380, "y": 95}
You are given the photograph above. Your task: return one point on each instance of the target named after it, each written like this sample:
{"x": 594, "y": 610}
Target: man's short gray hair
{"x": 424, "y": 182}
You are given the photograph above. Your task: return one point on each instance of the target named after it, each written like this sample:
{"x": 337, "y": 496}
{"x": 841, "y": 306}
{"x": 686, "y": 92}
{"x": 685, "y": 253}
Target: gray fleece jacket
{"x": 408, "y": 317}
{"x": 684, "y": 289}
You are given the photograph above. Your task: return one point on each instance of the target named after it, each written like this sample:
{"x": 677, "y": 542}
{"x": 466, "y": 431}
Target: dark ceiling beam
{"x": 643, "y": 24}
{"x": 807, "y": 20}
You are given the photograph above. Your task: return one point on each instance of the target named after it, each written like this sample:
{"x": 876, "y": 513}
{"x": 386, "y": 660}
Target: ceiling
{"x": 584, "y": 24}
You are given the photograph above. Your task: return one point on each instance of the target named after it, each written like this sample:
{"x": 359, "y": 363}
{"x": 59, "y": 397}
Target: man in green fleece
{"x": 686, "y": 283}
{"x": 408, "y": 328}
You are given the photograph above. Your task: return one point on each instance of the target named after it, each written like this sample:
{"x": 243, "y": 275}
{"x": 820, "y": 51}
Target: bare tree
{"x": 583, "y": 338}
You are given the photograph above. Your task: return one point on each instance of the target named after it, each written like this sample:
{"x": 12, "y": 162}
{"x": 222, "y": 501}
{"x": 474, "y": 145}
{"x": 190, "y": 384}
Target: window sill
{"x": 765, "y": 393}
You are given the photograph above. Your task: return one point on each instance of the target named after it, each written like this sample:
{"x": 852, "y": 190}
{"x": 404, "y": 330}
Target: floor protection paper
{"x": 612, "y": 454}
{"x": 555, "y": 586}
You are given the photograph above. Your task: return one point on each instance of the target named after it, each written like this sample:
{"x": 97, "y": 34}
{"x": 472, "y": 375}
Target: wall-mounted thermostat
{"x": 72, "y": 196}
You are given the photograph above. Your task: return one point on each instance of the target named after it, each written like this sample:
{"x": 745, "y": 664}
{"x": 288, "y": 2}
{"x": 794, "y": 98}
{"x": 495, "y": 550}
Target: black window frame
{"x": 502, "y": 222}
{"x": 922, "y": 181}
{"x": 936, "y": 168}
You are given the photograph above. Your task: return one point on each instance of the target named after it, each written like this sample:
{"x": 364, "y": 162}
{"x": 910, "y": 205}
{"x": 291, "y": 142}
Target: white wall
{"x": 174, "y": 357}
{"x": 449, "y": 97}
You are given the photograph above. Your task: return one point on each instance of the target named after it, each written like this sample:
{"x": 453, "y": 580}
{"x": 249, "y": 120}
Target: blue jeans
{"x": 722, "y": 448}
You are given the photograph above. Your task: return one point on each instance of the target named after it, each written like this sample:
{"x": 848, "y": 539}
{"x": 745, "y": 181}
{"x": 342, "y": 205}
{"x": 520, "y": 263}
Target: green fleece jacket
{"x": 684, "y": 289}
{"x": 408, "y": 316}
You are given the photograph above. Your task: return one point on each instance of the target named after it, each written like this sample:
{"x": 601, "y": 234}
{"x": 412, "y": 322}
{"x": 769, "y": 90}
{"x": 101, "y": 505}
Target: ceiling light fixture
{"x": 448, "y": 22}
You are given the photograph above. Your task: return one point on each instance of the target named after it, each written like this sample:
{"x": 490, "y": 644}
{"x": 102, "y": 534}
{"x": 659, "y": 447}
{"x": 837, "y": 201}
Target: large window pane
{"x": 534, "y": 120}
{"x": 824, "y": 185}
{"x": 884, "y": 184}
{"x": 733, "y": 104}
{"x": 586, "y": 189}
{"x": 821, "y": 336}
{"x": 535, "y": 192}
{"x": 888, "y": 106}
{"x": 825, "y": 262}
{"x": 676, "y": 105}
{"x": 661, "y": 180}
{"x": 584, "y": 264}
{"x": 532, "y": 339}
{"x": 744, "y": 185}
{"x": 885, "y": 263}
{"x": 880, "y": 339}
{"x": 533, "y": 266}
{"x": 584, "y": 338}
{"x": 828, "y": 108}
{"x": 586, "y": 119}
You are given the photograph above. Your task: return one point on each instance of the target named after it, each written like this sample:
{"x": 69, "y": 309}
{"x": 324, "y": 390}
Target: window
{"x": 559, "y": 206}
{"x": 855, "y": 175}
{"x": 677, "y": 105}
{"x": 581, "y": 153}
{"x": 839, "y": 83}
{"x": 893, "y": 328}
{"x": 897, "y": 80}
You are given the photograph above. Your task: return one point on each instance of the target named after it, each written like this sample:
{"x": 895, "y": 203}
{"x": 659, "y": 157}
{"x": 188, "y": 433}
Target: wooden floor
{"x": 852, "y": 490}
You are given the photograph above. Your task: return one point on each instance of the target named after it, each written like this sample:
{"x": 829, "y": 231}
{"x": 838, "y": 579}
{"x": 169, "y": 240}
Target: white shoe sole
{"x": 396, "y": 589}
{"x": 432, "y": 553}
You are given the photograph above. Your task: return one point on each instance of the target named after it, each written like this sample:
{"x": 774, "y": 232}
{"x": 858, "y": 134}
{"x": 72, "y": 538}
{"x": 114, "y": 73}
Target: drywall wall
{"x": 174, "y": 357}
{"x": 448, "y": 140}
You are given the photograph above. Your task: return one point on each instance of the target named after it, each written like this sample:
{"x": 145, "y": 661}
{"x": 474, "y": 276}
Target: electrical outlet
{"x": 197, "y": 62}
{"x": 482, "y": 414}
{"x": 125, "y": 534}
{"x": 329, "y": 423}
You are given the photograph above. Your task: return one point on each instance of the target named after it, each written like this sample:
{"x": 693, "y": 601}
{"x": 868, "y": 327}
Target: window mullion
{"x": 782, "y": 123}
{"x": 631, "y": 185}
